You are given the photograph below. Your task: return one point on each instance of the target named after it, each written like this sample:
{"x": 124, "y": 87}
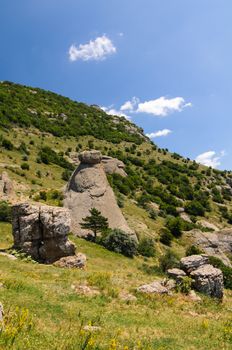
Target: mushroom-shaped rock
{"x": 89, "y": 188}
{"x": 208, "y": 280}
{"x": 192, "y": 262}
{"x": 90, "y": 157}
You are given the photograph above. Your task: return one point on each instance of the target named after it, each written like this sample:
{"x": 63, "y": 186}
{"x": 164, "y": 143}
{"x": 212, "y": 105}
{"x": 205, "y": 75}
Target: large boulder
{"x": 42, "y": 231}
{"x": 191, "y": 263}
{"x": 208, "y": 280}
{"x": 88, "y": 188}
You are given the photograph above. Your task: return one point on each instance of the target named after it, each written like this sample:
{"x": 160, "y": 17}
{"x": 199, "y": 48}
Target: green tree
{"x": 95, "y": 222}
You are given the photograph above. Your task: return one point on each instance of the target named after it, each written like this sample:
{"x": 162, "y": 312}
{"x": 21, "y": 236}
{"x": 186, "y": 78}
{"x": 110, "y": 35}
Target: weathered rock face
{"x": 42, "y": 232}
{"x": 6, "y": 186}
{"x": 176, "y": 274}
{"x": 155, "y": 287}
{"x": 190, "y": 263}
{"x": 208, "y": 280}
{"x": 113, "y": 166}
{"x": 88, "y": 188}
{"x": 217, "y": 244}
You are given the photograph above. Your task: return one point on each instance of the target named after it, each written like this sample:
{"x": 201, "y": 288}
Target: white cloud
{"x": 111, "y": 111}
{"x": 210, "y": 158}
{"x": 130, "y": 105}
{"x": 97, "y": 50}
{"x": 159, "y": 133}
{"x": 163, "y": 106}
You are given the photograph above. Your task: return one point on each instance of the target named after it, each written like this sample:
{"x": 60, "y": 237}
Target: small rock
{"x": 155, "y": 287}
{"x": 193, "y": 296}
{"x": 86, "y": 290}
{"x": 127, "y": 297}
{"x": 76, "y": 261}
{"x": 9, "y": 256}
{"x": 1, "y": 312}
{"x": 170, "y": 284}
{"x": 92, "y": 328}
{"x": 190, "y": 263}
{"x": 176, "y": 274}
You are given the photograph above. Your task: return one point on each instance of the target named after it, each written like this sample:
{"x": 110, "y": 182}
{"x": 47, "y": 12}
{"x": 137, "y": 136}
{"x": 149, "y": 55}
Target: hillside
{"x": 165, "y": 198}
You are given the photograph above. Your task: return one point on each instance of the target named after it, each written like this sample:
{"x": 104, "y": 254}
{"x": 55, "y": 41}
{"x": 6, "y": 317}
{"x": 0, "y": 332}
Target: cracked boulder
{"x": 89, "y": 188}
{"x": 42, "y": 232}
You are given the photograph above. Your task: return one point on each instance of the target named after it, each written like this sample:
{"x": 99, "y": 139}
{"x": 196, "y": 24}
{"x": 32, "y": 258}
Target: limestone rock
{"x": 193, "y": 296}
{"x": 89, "y": 328}
{"x": 176, "y": 274}
{"x": 42, "y": 231}
{"x": 90, "y": 157}
{"x": 155, "y": 287}
{"x": 207, "y": 225}
{"x": 127, "y": 297}
{"x": 191, "y": 263}
{"x": 75, "y": 261}
{"x": 218, "y": 244}
{"x": 208, "y": 280}
{"x": 6, "y": 186}
{"x": 113, "y": 166}
{"x": 88, "y": 188}
{"x": 86, "y": 290}
{"x": 185, "y": 217}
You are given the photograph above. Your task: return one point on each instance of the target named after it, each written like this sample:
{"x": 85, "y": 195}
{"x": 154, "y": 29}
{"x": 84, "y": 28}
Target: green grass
{"x": 57, "y": 313}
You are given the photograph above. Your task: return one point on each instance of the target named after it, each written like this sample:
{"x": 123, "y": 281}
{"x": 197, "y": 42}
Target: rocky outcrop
{"x": 6, "y": 186}
{"x": 42, "y": 232}
{"x": 190, "y": 263}
{"x": 176, "y": 274}
{"x": 89, "y": 188}
{"x": 218, "y": 244}
{"x": 208, "y": 280}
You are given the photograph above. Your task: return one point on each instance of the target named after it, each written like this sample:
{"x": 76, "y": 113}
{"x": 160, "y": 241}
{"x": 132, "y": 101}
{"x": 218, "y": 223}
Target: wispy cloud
{"x": 130, "y": 105}
{"x": 96, "y": 50}
{"x": 159, "y": 133}
{"x": 210, "y": 158}
{"x": 163, "y": 106}
{"x": 112, "y": 111}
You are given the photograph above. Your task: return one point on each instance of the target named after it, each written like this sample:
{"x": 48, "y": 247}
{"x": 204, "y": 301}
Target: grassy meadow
{"x": 43, "y": 310}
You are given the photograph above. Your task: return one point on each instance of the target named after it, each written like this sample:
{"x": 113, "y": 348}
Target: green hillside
{"x": 41, "y": 134}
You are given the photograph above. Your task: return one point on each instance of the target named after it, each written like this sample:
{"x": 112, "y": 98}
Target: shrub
{"x": 25, "y": 166}
{"x": 226, "y": 270}
{"x": 175, "y": 226}
{"x": 7, "y": 144}
{"x": 120, "y": 242}
{"x": 5, "y": 212}
{"x": 193, "y": 250}
{"x": 169, "y": 260}
{"x": 66, "y": 174}
{"x": 165, "y": 236}
{"x": 43, "y": 195}
{"x": 195, "y": 208}
{"x": 185, "y": 285}
{"x": 146, "y": 247}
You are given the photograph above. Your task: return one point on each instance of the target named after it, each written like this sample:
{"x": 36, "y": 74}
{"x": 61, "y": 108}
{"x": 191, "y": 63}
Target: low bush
{"x": 146, "y": 247}
{"x": 169, "y": 260}
{"x": 120, "y": 242}
{"x": 25, "y": 166}
{"x": 5, "y": 212}
{"x": 165, "y": 236}
{"x": 226, "y": 270}
{"x": 193, "y": 250}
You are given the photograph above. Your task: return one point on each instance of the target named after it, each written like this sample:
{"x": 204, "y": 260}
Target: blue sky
{"x": 173, "y": 56}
